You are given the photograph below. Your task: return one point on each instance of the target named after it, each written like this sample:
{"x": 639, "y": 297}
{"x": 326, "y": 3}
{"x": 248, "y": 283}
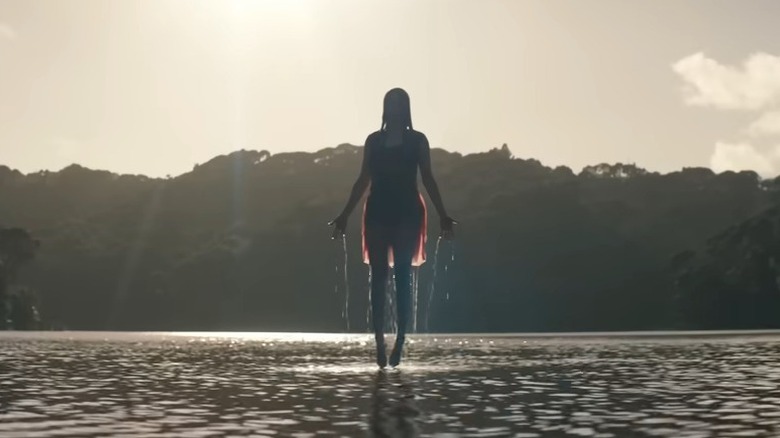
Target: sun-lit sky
{"x": 154, "y": 87}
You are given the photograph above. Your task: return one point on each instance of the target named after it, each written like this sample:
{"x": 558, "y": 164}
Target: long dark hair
{"x": 406, "y": 108}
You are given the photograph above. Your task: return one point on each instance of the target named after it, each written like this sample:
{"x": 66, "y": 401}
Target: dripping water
{"x": 346, "y": 284}
{"x": 435, "y": 278}
{"x": 390, "y": 311}
{"x": 336, "y": 280}
{"x": 415, "y": 282}
{"x": 368, "y": 309}
{"x": 433, "y": 285}
{"x": 390, "y": 305}
{"x": 345, "y": 279}
{"x": 446, "y": 289}
{"x": 446, "y": 266}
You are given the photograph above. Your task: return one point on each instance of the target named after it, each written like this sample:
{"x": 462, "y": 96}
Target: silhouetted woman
{"x": 394, "y": 215}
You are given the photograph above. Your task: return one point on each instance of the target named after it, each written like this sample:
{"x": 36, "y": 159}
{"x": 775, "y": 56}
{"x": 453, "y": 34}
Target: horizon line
{"x": 350, "y": 145}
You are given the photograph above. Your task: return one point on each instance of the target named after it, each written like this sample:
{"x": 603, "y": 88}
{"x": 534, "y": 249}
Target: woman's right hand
{"x": 447, "y": 227}
{"x": 339, "y": 226}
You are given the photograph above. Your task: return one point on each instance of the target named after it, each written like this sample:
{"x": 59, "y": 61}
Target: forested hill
{"x": 241, "y": 243}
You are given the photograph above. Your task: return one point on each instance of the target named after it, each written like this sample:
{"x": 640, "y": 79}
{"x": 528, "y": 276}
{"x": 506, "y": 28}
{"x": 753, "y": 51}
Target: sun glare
{"x": 275, "y": 8}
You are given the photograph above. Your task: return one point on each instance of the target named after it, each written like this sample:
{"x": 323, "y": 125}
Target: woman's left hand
{"x": 339, "y": 227}
{"x": 447, "y": 227}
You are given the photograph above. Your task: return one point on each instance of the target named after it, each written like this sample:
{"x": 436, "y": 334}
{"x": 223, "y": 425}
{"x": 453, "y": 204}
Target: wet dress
{"x": 394, "y": 214}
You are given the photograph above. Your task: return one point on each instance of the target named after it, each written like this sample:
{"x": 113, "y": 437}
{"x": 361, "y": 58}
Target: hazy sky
{"x": 156, "y": 86}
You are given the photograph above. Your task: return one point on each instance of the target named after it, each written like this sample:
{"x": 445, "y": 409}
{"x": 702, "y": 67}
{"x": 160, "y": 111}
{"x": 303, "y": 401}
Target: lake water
{"x": 300, "y": 385}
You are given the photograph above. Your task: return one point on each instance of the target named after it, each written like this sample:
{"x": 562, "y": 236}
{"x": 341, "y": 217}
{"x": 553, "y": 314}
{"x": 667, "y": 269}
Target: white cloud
{"x": 767, "y": 124}
{"x": 7, "y": 32}
{"x": 753, "y": 86}
{"x": 744, "y": 156}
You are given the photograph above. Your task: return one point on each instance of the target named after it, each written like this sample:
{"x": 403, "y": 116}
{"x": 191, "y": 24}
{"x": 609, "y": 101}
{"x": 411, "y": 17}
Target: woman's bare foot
{"x": 381, "y": 354}
{"x": 395, "y": 357}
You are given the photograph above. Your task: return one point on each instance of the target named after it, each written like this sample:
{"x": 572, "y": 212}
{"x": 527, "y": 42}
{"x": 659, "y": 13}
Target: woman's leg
{"x": 403, "y": 251}
{"x": 403, "y": 287}
{"x": 377, "y": 253}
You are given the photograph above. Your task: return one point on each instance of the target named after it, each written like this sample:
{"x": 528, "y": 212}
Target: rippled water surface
{"x": 299, "y": 385}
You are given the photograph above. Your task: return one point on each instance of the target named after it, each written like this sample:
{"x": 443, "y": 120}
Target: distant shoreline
{"x": 329, "y": 336}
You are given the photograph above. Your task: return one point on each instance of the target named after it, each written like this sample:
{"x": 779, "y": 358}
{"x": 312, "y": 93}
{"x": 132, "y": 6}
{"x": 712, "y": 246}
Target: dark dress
{"x": 394, "y": 214}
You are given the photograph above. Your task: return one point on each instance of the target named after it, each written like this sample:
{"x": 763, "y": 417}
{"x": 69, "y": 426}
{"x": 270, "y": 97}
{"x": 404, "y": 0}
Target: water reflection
{"x": 131, "y": 384}
{"x": 393, "y": 411}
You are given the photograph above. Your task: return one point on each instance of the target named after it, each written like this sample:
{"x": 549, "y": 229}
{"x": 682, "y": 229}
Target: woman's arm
{"x": 360, "y": 185}
{"x": 427, "y": 177}
{"x": 433, "y": 189}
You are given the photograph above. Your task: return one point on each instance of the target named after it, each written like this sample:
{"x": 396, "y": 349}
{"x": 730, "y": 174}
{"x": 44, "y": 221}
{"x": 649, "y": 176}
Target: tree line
{"x": 241, "y": 243}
